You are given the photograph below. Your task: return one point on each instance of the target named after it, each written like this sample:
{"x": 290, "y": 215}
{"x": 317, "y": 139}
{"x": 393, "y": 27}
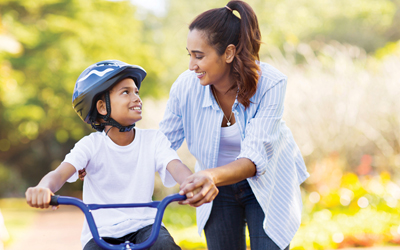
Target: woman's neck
{"x": 120, "y": 138}
{"x": 225, "y": 87}
{"x": 224, "y": 91}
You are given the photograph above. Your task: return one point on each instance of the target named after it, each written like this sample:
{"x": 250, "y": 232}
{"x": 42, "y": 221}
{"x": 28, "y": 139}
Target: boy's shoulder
{"x": 149, "y": 133}
{"x": 91, "y": 138}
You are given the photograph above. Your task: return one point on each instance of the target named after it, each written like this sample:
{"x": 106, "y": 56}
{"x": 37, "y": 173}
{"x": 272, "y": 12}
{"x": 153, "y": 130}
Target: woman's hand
{"x": 82, "y": 174}
{"x": 202, "y": 186}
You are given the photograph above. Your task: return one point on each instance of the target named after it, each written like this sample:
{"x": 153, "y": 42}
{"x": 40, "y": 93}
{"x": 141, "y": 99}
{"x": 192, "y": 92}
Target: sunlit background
{"x": 342, "y": 59}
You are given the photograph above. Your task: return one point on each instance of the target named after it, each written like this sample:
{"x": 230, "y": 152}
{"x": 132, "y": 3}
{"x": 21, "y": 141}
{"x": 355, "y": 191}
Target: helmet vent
{"x": 106, "y": 64}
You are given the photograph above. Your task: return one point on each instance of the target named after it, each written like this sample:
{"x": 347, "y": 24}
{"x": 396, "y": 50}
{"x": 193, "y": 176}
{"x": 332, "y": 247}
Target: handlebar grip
{"x": 54, "y": 200}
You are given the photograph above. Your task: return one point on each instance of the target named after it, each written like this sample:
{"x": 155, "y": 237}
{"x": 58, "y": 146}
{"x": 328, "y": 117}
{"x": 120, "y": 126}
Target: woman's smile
{"x": 200, "y": 75}
{"x": 209, "y": 67}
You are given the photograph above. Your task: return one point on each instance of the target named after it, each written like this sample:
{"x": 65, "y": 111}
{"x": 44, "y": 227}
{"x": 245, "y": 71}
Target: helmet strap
{"x": 110, "y": 121}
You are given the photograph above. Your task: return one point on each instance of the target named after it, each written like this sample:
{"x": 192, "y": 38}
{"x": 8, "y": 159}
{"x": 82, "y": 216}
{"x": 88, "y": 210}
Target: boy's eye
{"x": 125, "y": 92}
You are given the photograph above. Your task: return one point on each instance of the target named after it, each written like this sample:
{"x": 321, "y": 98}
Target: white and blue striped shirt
{"x": 193, "y": 114}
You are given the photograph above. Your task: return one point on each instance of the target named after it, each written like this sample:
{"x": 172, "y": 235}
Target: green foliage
{"x": 50, "y": 44}
{"x": 10, "y": 182}
{"x": 180, "y": 220}
{"x": 180, "y": 216}
{"x": 45, "y": 45}
{"x": 342, "y": 209}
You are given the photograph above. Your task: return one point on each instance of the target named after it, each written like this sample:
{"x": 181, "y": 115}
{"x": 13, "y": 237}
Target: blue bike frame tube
{"x": 86, "y": 209}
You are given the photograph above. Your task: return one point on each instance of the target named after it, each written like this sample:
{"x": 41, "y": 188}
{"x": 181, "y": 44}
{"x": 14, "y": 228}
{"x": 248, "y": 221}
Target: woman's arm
{"x": 180, "y": 173}
{"x": 259, "y": 145}
{"x": 39, "y": 196}
{"x": 209, "y": 179}
{"x": 233, "y": 172}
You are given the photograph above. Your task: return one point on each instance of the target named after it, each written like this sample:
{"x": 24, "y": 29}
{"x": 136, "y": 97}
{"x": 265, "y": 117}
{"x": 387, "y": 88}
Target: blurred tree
{"x": 45, "y": 45}
{"x": 368, "y": 24}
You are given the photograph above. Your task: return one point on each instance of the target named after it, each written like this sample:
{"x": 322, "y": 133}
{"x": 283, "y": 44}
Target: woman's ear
{"x": 230, "y": 53}
{"x": 101, "y": 107}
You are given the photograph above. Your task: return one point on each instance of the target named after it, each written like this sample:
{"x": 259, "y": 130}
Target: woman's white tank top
{"x": 229, "y": 146}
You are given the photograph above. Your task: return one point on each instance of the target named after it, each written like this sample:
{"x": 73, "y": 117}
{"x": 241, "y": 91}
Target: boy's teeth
{"x": 202, "y": 73}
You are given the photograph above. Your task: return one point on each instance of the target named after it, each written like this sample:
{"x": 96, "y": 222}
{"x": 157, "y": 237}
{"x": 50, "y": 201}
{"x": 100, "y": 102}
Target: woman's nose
{"x": 192, "y": 65}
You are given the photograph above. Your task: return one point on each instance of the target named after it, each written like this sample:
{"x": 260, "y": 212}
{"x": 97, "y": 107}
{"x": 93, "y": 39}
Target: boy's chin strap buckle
{"x": 114, "y": 123}
{"x": 110, "y": 121}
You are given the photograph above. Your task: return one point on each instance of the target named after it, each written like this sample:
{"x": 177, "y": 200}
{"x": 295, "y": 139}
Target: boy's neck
{"x": 120, "y": 138}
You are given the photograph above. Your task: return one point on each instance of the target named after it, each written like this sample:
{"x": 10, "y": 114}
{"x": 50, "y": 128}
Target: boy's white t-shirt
{"x": 121, "y": 174}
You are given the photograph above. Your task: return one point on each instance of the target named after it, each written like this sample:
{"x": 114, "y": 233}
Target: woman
{"x": 228, "y": 106}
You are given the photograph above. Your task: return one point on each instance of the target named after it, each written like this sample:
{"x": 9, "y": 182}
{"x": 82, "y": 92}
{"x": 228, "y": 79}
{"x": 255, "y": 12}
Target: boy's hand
{"x": 82, "y": 174}
{"x": 38, "y": 197}
{"x": 191, "y": 194}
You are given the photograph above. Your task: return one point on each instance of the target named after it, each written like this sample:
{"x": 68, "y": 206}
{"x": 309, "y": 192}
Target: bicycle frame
{"x": 87, "y": 208}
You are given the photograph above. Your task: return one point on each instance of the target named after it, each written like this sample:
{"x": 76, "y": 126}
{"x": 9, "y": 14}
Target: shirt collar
{"x": 209, "y": 99}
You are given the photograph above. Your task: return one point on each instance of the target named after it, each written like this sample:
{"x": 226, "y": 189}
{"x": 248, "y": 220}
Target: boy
{"x": 120, "y": 161}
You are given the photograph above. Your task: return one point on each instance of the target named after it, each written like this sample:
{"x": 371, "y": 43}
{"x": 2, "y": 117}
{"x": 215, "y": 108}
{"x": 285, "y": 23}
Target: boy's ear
{"x": 101, "y": 107}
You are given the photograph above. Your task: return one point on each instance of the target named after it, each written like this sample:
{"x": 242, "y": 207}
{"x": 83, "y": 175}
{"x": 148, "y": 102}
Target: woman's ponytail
{"x": 222, "y": 28}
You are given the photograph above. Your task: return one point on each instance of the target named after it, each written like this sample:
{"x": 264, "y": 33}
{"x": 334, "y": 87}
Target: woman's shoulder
{"x": 269, "y": 72}
{"x": 270, "y": 76}
{"x": 186, "y": 80}
{"x": 186, "y": 86}
{"x": 187, "y": 74}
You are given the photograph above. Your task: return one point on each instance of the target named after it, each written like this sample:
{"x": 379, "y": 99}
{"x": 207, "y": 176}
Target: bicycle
{"x": 87, "y": 208}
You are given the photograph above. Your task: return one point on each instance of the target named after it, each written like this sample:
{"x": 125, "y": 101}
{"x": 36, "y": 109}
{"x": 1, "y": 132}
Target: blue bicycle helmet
{"x": 96, "y": 80}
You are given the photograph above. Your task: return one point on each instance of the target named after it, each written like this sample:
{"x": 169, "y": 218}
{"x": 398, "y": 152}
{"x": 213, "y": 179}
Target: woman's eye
{"x": 125, "y": 92}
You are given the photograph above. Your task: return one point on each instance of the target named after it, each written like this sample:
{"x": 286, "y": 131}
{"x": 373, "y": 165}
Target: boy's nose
{"x": 135, "y": 98}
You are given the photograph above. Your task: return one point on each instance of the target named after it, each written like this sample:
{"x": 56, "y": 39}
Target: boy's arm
{"x": 39, "y": 196}
{"x": 178, "y": 170}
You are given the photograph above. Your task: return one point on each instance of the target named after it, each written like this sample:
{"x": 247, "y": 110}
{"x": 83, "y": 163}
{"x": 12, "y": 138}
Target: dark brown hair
{"x": 222, "y": 28}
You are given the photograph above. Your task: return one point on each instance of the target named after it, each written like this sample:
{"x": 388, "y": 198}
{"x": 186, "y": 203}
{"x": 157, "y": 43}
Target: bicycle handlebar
{"x": 86, "y": 209}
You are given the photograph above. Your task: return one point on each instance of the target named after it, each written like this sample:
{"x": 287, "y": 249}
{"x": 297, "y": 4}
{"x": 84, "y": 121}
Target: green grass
{"x": 181, "y": 223}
